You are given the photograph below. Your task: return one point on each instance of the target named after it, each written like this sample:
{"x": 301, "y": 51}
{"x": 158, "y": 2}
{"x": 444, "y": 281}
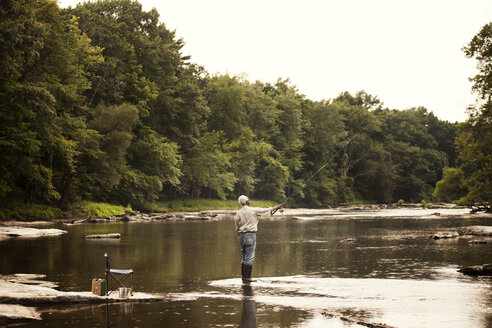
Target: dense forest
{"x": 99, "y": 103}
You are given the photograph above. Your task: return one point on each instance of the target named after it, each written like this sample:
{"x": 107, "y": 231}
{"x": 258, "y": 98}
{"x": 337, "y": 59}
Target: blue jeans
{"x": 247, "y": 241}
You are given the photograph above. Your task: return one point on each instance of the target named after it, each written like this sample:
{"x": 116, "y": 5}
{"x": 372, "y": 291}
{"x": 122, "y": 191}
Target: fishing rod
{"x": 295, "y": 192}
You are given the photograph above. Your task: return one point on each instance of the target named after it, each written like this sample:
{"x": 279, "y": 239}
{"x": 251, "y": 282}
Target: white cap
{"x": 243, "y": 199}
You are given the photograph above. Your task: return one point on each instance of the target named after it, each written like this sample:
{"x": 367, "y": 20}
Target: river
{"x": 324, "y": 268}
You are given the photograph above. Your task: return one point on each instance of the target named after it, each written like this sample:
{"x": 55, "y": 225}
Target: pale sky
{"x": 407, "y": 53}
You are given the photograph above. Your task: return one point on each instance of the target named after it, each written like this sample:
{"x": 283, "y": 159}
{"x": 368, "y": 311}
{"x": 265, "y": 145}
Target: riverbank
{"x": 414, "y": 211}
{"x": 40, "y": 212}
{"x": 203, "y": 209}
{"x": 95, "y": 210}
{"x": 296, "y": 213}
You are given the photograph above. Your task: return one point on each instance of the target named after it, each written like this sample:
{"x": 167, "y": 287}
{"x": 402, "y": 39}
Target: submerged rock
{"x": 478, "y": 242}
{"x": 445, "y": 235}
{"x": 355, "y": 321}
{"x": 477, "y": 270}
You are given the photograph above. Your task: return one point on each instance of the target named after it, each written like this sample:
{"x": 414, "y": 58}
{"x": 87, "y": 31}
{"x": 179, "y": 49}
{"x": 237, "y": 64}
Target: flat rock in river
{"x": 105, "y": 236}
{"x": 25, "y": 232}
{"x": 478, "y": 231}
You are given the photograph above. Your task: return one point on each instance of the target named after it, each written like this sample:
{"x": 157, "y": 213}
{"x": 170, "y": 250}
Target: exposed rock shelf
{"x": 19, "y": 293}
{"x": 25, "y": 232}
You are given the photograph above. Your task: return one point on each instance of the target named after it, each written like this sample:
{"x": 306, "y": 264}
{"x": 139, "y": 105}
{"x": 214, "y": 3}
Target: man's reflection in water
{"x": 248, "y": 315}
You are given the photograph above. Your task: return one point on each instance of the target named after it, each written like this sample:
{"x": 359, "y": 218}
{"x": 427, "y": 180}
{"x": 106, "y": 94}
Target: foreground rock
{"x": 477, "y": 270}
{"x": 27, "y": 290}
{"x": 25, "y": 232}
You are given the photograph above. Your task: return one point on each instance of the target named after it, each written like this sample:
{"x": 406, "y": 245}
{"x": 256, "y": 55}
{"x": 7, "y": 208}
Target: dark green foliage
{"x": 452, "y": 185}
{"x": 208, "y": 166}
{"x": 98, "y": 103}
{"x": 474, "y": 141}
{"x": 101, "y": 166}
{"x": 45, "y": 56}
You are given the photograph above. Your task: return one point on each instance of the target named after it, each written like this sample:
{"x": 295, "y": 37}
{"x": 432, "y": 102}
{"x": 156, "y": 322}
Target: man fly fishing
{"x": 246, "y": 225}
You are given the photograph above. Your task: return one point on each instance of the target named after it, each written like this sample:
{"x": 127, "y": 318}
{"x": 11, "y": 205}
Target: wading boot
{"x": 243, "y": 274}
{"x": 247, "y": 274}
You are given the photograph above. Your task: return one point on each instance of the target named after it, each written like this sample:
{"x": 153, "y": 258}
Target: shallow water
{"x": 326, "y": 268}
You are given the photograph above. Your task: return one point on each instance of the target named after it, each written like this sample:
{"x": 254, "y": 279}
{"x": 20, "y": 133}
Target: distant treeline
{"x": 98, "y": 103}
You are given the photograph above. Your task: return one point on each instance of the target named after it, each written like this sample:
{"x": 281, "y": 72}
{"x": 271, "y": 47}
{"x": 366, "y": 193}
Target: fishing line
{"x": 305, "y": 185}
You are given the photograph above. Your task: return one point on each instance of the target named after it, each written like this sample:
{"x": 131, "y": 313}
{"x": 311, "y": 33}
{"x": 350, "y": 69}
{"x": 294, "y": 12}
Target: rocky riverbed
{"x": 27, "y": 232}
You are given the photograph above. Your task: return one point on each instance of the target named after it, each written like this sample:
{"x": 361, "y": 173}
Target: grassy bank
{"x": 29, "y": 212}
{"x": 32, "y": 212}
{"x": 193, "y": 205}
{"x": 93, "y": 209}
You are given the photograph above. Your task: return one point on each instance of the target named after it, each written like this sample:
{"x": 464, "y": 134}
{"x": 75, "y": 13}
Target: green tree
{"x": 474, "y": 141}
{"x": 262, "y": 114}
{"x": 416, "y": 170}
{"x": 45, "y": 57}
{"x": 119, "y": 27}
{"x": 101, "y": 171}
{"x": 225, "y": 96}
{"x": 180, "y": 112}
{"x": 287, "y": 138}
{"x": 155, "y": 156}
{"x": 444, "y": 133}
{"x": 323, "y": 132}
{"x": 450, "y": 187}
{"x": 207, "y": 167}
{"x": 360, "y": 153}
{"x": 272, "y": 176}
{"x": 413, "y": 152}
{"x": 143, "y": 67}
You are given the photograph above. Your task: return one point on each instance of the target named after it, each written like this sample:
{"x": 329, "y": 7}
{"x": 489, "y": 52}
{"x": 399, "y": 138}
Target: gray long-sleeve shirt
{"x": 246, "y": 218}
